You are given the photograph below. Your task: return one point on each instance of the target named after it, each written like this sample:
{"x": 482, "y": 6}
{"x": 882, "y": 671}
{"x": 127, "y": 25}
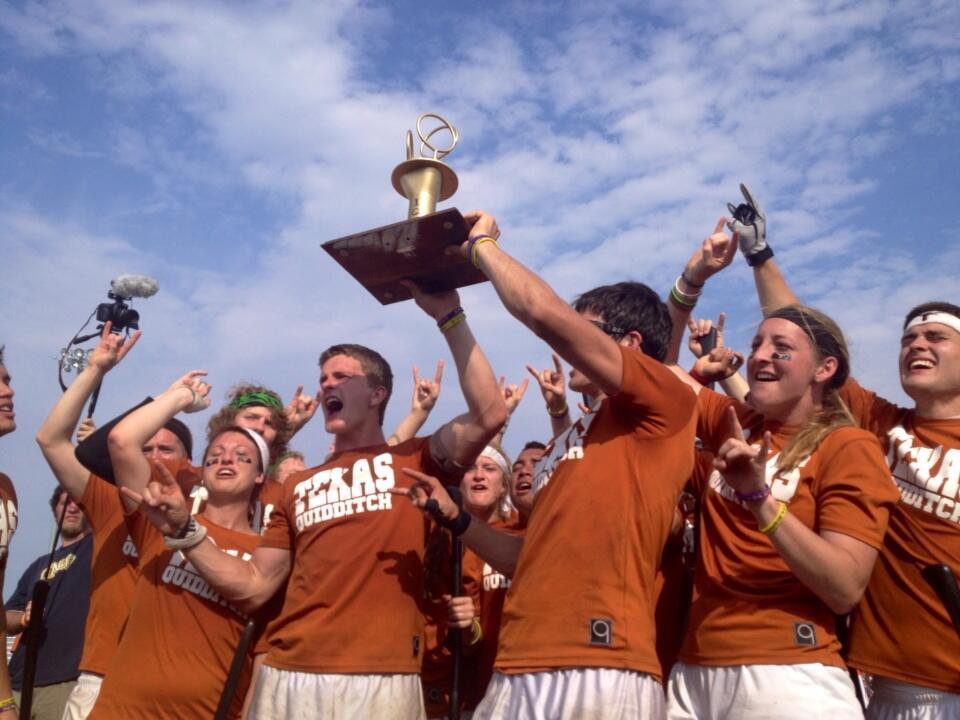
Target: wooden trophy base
{"x": 422, "y": 249}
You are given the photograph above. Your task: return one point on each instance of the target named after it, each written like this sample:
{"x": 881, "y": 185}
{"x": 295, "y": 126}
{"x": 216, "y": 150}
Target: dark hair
{"x": 376, "y": 369}
{"x": 2, "y": 348}
{"x": 183, "y": 434}
{"x": 227, "y": 416}
{"x": 58, "y": 491}
{"x": 533, "y": 445}
{"x": 631, "y": 306}
{"x": 935, "y": 306}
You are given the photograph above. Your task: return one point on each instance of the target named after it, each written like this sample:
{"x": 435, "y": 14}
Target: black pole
{"x": 34, "y": 631}
{"x": 236, "y": 667}
{"x": 456, "y": 639}
{"x": 93, "y": 400}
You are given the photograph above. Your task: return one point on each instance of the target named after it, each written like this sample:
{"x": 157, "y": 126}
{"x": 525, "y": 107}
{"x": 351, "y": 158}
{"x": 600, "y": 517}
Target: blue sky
{"x": 215, "y": 145}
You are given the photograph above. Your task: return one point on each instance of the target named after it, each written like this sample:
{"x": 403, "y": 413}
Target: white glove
{"x": 750, "y": 224}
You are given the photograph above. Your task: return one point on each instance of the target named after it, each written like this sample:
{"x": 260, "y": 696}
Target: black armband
{"x": 760, "y": 258}
{"x": 457, "y": 527}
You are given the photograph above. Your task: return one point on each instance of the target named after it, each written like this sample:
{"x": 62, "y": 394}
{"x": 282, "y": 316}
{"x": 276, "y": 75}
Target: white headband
{"x": 261, "y": 447}
{"x": 498, "y": 457}
{"x": 951, "y": 321}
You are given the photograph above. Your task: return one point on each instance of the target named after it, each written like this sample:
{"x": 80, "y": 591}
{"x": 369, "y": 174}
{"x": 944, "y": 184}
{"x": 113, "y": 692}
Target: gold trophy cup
{"x": 422, "y": 248}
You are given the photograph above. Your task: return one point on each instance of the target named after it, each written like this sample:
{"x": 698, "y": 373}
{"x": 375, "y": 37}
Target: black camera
{"x": 119, "y": 313}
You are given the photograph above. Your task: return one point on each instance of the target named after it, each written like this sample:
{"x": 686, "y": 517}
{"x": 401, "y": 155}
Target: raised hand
{"x": 162, "y": 501}
{"x": 718, "y": 365}
{"x": 436, "y": 305}
{"x": 700, "y": 328}
{"x": 512, "y": 394}
{"x": 301, "y": 408}
{"x": 552, "y": 385}
{"x": 200, "y": 390}
{"x": 428, "y": 494}
{"x": 111, "y": 349}
{"x": 479, "y": 223}
{"x": 715, "y": 253}
{"x": 749, "y": 223}
{"x": 426, "y": 391}
{"x": 744, "y": 466}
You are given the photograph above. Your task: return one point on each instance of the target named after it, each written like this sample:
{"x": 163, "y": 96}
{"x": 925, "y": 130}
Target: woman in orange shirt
{"x": 181, "y": 635}
{"x": 792, "y": 519}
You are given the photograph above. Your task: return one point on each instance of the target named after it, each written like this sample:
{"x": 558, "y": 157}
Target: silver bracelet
{"x": 191, "y": 536}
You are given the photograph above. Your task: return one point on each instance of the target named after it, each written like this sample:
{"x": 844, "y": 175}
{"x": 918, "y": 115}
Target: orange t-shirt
{"x": 748, "y": 607}
{"x": 270, "y": 496}
{"x": 354, "y": 591}
{"x": 113, "y": 574}
{"x": 901, "y": 629}
{"x": 8, "y": 518}
{"x": 583, "y": 591}
{"x": 179, "y": 643}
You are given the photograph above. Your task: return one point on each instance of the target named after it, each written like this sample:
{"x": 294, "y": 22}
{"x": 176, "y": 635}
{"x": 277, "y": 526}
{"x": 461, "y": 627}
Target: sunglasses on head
{"x": 608, "y": 329}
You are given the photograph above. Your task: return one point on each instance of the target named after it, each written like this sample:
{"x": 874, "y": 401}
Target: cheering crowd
{"x": 672, "y": 552}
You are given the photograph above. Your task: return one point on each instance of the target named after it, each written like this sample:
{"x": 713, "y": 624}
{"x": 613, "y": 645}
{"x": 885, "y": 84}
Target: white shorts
{"x": 761, "y": 692}
{"x": 574, "y": 694}
{"x": 83, "y": 696}
{"x": 896, "y": 700}
{"x": 313, "y": 696}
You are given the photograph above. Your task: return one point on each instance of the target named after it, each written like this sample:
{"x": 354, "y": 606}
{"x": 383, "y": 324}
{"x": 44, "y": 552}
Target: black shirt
{"x": 65, "y": 614}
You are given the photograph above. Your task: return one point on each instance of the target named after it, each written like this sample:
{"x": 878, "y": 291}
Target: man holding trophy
{"x": 606, "y": 492}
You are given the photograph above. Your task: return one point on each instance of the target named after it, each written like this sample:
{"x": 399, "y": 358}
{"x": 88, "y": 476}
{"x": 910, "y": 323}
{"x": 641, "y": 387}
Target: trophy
{"x": 424, "y": 247}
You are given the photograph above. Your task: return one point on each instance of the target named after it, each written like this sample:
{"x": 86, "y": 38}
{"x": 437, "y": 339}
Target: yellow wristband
{"x": 453, "y": 322}
{"x": 476, "y": 632}
{"x": 562, "y": 412}
{"x": 477, "y": 243}
{"x": 7, "y": 703}
{"x": 769, "y": 528}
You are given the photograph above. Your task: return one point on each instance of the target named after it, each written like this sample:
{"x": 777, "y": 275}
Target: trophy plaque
{"x": 422, "y": 248}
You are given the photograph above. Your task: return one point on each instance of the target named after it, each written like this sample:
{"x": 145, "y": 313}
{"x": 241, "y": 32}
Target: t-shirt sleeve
{"x": 279, "y": 530}
{"x": 21, "y": 596}
{"x": 855, "y": 492}
{"x": 871, "y": 411}
{"x": 713, "y": 423}
{"x": 656, "y": 400}
{"x": 99, "y": 501}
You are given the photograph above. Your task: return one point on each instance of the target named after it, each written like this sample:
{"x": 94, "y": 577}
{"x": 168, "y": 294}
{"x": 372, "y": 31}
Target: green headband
{"x": 257, "y": 398}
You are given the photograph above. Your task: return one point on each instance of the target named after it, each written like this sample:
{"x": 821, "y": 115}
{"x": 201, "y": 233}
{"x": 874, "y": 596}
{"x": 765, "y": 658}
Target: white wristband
{"x": 194, "y": 535}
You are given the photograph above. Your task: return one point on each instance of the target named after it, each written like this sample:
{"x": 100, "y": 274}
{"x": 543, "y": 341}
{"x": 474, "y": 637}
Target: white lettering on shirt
{"x": 337, "y": 492}
{"x": 8, "y": 525}
{"x": 783, "y": 485}
{"x": 181, "y": 573}
{"x": 928, "y": 478}
{"x": 568, "y": 445}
